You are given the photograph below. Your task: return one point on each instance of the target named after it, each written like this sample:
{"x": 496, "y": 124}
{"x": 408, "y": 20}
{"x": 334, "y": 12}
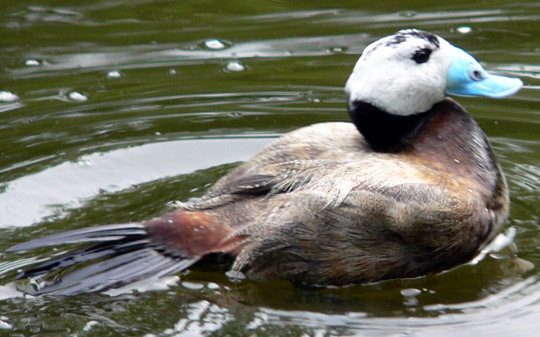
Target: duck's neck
{"x": 386, "y": 132}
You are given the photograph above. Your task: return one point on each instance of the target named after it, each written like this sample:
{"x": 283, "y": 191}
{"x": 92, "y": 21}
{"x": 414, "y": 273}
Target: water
{"x": 109, "y": 111}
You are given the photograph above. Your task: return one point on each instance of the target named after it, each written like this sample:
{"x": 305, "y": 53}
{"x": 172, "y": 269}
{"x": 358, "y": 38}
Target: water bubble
{"x": 235, "y": 66}
{"x": 464, "y": 30}
{"x": 410, "y": 296}
{"x": 212, "y": 285}
{"x": 235, "y": 276}
{"x": 32, "y": 63}
{"x": 114, "y": 74}
{"x": 410, "y": 292}
{"x": 214, "y": 44}
{"x": 6, "y": 96}
{"x": 192, "y": 286}
{"x": 336, "y": 50}
{"x": 77, "y": 96}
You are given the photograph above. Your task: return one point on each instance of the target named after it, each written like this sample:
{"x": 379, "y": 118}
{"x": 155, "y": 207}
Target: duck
{"x": 410, "y": 187}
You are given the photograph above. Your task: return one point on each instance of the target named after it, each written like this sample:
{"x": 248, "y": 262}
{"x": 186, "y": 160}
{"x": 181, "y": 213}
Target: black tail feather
{"x": 94, "y": 252}
{"x": 97, "y": 233}
{"x": 124, "y": 254}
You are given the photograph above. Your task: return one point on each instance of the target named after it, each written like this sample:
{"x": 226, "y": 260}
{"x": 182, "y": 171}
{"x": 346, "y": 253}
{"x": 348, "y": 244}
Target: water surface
{"x": 110, "y": 110}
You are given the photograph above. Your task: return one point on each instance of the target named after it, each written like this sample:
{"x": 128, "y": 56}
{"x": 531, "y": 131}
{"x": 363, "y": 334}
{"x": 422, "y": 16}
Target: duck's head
{"x": 410, "y": 71}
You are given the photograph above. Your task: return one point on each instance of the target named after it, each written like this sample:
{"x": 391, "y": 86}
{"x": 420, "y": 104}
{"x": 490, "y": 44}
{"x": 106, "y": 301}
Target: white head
{"x": 407, "y": 73}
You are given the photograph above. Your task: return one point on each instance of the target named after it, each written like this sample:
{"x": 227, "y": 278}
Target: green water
{"x": 124, "y": 106}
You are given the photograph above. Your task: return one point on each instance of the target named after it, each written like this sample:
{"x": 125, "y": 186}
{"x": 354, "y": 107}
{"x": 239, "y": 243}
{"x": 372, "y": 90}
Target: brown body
{"x": 317, "y": 206}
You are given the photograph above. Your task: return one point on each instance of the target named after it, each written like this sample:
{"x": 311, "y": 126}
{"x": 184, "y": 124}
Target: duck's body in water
{"x": 410, "y": 187}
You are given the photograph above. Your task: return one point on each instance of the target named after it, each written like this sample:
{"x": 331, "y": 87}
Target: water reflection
{"x": 159, "y": 56}
{"x": 33, "y": 197}
{"x": 176, "y": 93}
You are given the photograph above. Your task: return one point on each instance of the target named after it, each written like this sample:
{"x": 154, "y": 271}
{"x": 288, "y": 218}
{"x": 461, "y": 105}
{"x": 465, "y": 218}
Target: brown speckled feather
{"x": 329, "y": 199}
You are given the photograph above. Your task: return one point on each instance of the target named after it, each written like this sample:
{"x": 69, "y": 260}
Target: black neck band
{"x": 385, "y": 132}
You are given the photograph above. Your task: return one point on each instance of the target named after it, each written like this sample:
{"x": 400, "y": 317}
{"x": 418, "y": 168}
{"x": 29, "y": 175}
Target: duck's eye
{"x": 421, "y": 55}
{"x": 476, "y": 75}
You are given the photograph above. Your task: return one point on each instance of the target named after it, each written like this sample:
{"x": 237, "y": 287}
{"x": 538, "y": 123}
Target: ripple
{"x": 526, "y": 177}
{"x": 428, "y": 19}
{"x": 43, "y": 14}
{"x": 31, "y": 198}
{"x": 149, "y": 56}
{"x": 179, "y": 100}
{"x": 493, "y": 312}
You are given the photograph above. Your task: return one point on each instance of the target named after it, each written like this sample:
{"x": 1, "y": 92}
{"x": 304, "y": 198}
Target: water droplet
{"x": 457, "y": 161}
{"x": 464, "y": 30}
{"x": 192, "y": 286}
{"x": 157, "y": 133}
{"x": 114, "y": 74}
{"x": 172, "y": 72}
{"x": 336, "y": 50}
{"x": 410, "y": 296}
{"x": 6, "y": 96}
{"x": 77, "y": 96}
{"x": 212, "y": 285}
{"x": 32, "y": 63}
{"x": 470, "y": 191}
{"x": 235, "y": 66}
{"x": 410, "y": 292}
{"x": 235, "y": 275}
{"x": 214, "y": 44}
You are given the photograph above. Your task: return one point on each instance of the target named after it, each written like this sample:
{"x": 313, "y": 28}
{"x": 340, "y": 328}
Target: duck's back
{"x": 319, "y": 206}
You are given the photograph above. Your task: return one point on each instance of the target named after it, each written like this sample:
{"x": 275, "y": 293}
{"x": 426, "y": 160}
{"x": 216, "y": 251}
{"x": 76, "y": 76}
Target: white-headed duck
{"x": 410, "y": 187}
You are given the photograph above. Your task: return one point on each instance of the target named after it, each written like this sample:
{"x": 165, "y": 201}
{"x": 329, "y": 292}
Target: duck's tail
{"x": 124, "y": 253}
